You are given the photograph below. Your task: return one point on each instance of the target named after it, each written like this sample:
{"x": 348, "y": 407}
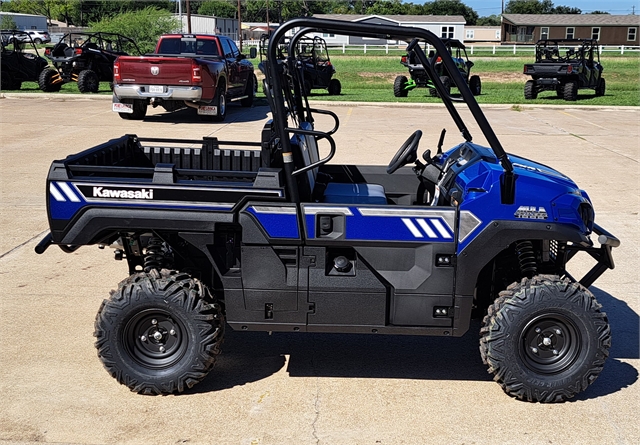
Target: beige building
{"x": 607, "y": 29}
{"x": 482, "y": 34}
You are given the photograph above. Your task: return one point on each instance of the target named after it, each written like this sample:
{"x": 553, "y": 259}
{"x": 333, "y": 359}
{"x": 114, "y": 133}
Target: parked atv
{"x": 86, "y": 58}
{"x": 317, "y": 71}
{"x": 565, "y": 66}
{"x": 19, "y": 65}
{"x": 420, "y": 78}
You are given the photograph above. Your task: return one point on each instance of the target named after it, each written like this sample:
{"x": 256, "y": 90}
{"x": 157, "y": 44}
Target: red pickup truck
{"x": 187, "y": 70}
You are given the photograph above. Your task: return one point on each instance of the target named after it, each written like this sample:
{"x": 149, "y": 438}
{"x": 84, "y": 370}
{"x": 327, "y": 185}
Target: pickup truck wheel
{"x": 249, "y": 91}
{"x": 530, "y": 91}
{"x": 88, "y": 81}
{"x": 221, "y": 103}
{"x": 571, "y": 91}
{"x": 545, "y": 339}
{"x": 47, "y": 80}
{"x": 399, "y": 86}
{"x": 159, "y": 333}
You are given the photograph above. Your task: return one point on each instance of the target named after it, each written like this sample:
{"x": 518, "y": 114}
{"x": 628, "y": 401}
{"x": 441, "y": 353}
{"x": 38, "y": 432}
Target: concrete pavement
{"x": 304, "y": 388}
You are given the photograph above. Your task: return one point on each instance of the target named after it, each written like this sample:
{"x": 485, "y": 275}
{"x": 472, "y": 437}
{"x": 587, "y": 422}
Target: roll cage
{"x": 285, "y": 91}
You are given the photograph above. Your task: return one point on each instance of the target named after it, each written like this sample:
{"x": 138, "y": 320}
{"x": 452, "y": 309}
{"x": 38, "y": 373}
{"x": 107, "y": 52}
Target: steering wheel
{"x": 406, "y": 153}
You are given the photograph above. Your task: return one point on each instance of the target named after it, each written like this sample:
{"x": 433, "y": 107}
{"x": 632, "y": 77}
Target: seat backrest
{"x": 309, "y": 151}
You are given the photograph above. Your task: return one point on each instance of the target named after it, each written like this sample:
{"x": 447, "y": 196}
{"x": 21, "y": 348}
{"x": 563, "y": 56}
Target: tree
{"x": 218, "y": 8}
{"x": 566, "y": 10}
{"x": 7, "y": 22}
{"x": 529, "y": 7}
{"x": 387, "y": 7}
{"x": 598, "y": 12}
{"x": 492, "y": 20}
{"x": 451, "y": 7}
{"x": 143, "y": 26}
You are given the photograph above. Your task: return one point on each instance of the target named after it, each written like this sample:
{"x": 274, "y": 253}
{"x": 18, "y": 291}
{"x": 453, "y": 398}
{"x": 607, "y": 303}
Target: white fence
{"x": 472, "y": 49}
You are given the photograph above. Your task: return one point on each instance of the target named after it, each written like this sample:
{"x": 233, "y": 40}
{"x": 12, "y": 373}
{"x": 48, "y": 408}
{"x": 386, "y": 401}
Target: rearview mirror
{"x": 253, "y": 52}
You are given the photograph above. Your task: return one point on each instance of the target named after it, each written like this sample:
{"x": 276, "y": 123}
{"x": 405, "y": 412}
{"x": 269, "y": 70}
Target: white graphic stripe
{"x": 56, "y": 194}
{"x": 67, "y": 191}
{"x": 411, "y": 226}
{"x": 440, "y": 228}
{"x": 427, "y": 229}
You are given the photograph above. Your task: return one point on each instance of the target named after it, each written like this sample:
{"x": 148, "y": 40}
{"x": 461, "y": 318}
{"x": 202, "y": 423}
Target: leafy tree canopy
{"x": 537, "y": 7}
{"x": 143, "y": 26}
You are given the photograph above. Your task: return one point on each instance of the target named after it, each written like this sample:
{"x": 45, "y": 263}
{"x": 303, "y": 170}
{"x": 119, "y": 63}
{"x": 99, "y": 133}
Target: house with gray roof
{"x": 444, "y": 26}
{"x": 607, "y": 29}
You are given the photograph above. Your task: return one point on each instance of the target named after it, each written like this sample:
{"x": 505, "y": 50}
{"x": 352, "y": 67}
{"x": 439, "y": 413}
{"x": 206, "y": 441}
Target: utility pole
{"x": 188, "y": 16}
{"x": 239, "y": 26}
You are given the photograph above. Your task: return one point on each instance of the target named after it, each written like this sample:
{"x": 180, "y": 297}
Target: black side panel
{"x": 96, "y": 223}
{"x": 496, "y": 237}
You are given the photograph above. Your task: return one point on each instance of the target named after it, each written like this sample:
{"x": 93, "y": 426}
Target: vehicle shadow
{"x": 625, "y": 344}
{"x": 252, "y": 356}
{"x": 235, "y": 113}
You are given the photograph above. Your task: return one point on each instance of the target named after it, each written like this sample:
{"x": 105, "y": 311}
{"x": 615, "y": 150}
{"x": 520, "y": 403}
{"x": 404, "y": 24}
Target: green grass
{"x": 369, "y": 78}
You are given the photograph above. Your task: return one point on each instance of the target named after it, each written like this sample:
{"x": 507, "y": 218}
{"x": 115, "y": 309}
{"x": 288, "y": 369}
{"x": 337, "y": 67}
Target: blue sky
{"x": 488, "y": 7}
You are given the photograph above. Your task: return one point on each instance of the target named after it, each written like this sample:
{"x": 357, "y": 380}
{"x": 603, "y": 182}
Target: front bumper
{"x": 168, "y": 92}
{"x": 601, "y": 254}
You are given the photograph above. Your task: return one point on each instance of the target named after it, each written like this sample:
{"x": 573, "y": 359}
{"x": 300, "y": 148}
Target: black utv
{"x": 86, "y": 58}
{"x": 565, "y": 66}
{"x": 420, "y": 78}
{"x": 18, "y": 65}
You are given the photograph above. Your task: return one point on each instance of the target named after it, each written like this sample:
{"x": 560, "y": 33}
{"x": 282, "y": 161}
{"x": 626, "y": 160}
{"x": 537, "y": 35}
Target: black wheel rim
{"x": 550, "y": 343}
{"x": 154, "y": 339}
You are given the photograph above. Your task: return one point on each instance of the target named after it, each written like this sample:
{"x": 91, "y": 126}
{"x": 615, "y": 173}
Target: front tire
{"x": 545, "y": 339}
{"x": 249, "y": 91}
{"x": 399, "y": 86}
{"x": 159, "y": 333}
{"x": 601, "y": 88}
{"x": 475, "y": 85}
{"x": 49, "y": 80}
{"x": 335, "y": 87}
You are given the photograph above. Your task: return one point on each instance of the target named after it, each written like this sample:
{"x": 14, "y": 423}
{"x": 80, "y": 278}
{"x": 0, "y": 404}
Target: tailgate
{"x": 156, "y": 70}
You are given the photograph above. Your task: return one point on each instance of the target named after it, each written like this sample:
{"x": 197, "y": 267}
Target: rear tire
{"x": 6, "y": 81}
{"x": 545, "y": 339}
{"x": 447, "y": 84}
{"x": 46, "y": 81}
{"x": 88, "y": 81}
{"x": 571, "y": 91}
{"x": 399, "y": 85}
{"x": 159, "y": 333}
{"x": 335, "y": 87}
{"x": 475, "y": 85}
{"x": 601, "y": 88}
{"x": 221, "y": 103}
{"x": 530, "y": 91}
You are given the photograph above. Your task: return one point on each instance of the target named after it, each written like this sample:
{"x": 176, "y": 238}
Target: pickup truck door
{"x": 231, "y": 55}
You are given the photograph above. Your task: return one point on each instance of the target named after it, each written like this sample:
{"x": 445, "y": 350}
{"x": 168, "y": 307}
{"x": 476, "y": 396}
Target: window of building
{"x": 328, "y": 35}
{"x": 595, "y": 33}
{"x": 632, "y": 34}
{"x": 446, "y": 32}
{"x": 544, "y": 33}
{"x": 470, "y": 34}
{"x": 570, "y": 33}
